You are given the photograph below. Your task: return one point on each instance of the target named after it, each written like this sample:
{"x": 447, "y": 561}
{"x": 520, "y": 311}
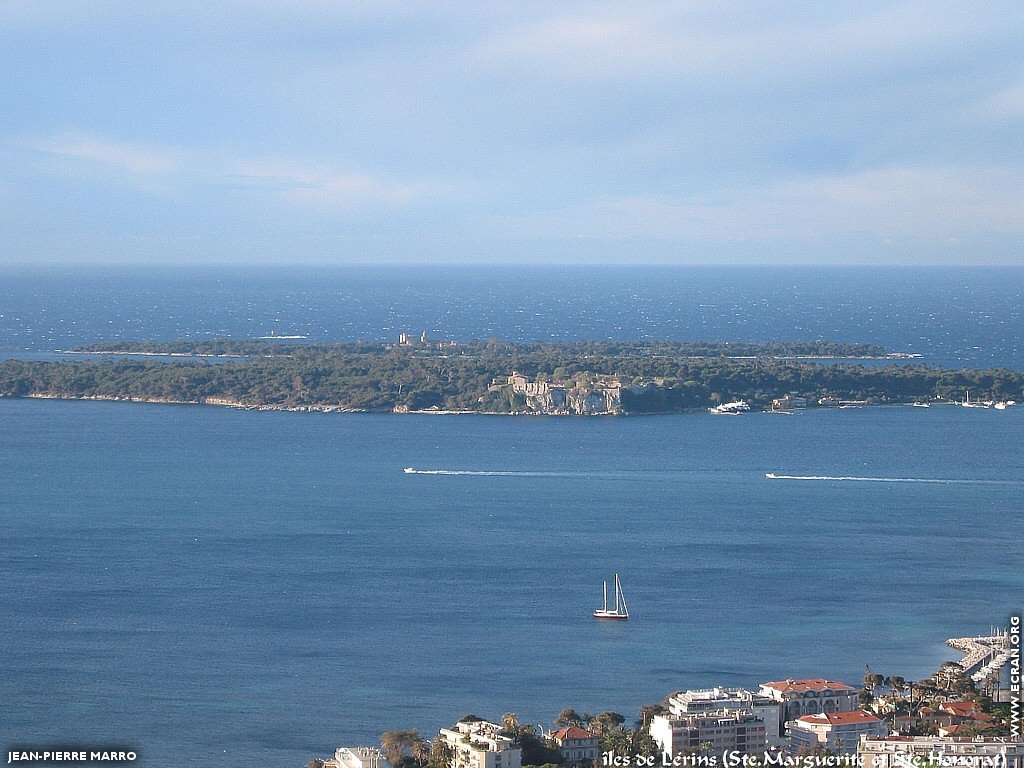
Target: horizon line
{"x": 35, "y": 265}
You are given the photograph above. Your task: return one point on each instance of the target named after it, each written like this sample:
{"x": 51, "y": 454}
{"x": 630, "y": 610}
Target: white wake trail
{"x": 482, "y": 473}
{"x": 934, "y": 481}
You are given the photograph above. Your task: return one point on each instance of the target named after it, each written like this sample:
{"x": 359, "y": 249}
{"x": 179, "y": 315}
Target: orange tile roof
{"x": 962, "y": 708}
{"x": 573, "y": 732}
{"x": 840, "y": 718}
{"x": 809, "y": 684}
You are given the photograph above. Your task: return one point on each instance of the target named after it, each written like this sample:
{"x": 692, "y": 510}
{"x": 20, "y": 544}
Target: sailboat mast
{"x": 619, "y": 596}
{"x": 606, "y": 594}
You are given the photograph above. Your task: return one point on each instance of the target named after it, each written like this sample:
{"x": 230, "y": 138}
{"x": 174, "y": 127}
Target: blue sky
{"x": 287, "y": 131}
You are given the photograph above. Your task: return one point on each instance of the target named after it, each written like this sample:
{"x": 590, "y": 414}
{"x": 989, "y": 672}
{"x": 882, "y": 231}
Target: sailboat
{"x": 620, "y": 612}
{"x": 968, "y": 404}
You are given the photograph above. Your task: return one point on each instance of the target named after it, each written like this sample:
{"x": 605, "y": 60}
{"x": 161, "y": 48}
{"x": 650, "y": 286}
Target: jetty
{"x": 983, "y": 656}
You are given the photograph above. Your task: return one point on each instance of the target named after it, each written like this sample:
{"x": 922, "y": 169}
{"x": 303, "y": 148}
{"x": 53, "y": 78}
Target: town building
{"x": 480, "y": 744}
{"x": 577, "y": 744}
{"x": 897, "y": 751}
{"x": 358, "y": 757}
{"x": 789, "y": 402}
{"x": 766, "y": 709}
{"x": 723, "y": 731}
{"x": 810, "y": 696}
{"x": 839, "y": 732}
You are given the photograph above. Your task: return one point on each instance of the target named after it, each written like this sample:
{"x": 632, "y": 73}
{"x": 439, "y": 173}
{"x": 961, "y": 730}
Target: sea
{"x": 206, "y": 585}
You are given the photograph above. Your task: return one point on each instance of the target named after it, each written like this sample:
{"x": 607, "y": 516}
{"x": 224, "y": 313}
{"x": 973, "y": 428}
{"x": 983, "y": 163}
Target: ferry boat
{"x": 620, "y": 612}
{"x": 737, "y": 407}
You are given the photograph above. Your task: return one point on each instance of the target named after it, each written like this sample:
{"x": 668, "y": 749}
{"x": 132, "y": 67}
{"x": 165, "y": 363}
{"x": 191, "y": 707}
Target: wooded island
{"x": 498, "y": 377}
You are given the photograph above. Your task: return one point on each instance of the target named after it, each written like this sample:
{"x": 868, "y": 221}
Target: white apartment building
{"x": 840, "y": 732}
{"x": 479, "y": 744}
{"x": 810, "y": 696}
{"x": 898, "y": 751}
{"x": 724, "y": 730}
{"x": 360, "y": 757}
{"x": 734, "y": 699}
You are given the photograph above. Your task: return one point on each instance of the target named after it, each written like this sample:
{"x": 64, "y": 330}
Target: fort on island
{"x": 963, "y": 716}
{"x": 584, "y": 396}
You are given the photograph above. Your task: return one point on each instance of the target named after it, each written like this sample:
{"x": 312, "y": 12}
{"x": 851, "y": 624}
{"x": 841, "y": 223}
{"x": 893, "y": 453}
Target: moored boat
{"x": 620, "y": 612}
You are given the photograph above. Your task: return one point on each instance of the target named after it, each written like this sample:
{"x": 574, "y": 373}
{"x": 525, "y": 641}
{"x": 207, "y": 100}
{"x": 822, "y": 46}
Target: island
{"x": 425, "y": 376}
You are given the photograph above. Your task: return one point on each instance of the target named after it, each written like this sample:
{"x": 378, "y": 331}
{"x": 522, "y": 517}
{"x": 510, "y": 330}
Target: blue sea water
{"x": 954, "y": 317}
{"x": 207, "y": 584}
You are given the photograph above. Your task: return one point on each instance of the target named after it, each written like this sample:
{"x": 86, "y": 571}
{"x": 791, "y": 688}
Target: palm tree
{"x": 648, "y": 711}
{"x": 394, "y": 744}
{"x": 440, "y": 755}
{"x": 511, "y": 724}
{"x": 419, "y": 748}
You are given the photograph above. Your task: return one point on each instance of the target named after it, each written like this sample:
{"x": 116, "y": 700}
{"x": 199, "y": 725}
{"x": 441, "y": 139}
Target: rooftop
{"x": 839, "y": 718}
{"x": 808, "y": 684}
{"x": 573, "y": 732}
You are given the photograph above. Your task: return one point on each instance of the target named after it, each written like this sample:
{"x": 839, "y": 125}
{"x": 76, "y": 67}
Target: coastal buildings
{"x": 407, "y": 340}
{"x": 839, "y": 732}
{"x": 717, "y": 732}
{"x": 577, "y": 744}
{"x": 810, "y": 696}
{"x": 357, "y": 757}
{"x": 898, "y": 751}
{"x": 480, "y": 744}
{"x": 766, "y": 709}
{"x": 789, "y": 402}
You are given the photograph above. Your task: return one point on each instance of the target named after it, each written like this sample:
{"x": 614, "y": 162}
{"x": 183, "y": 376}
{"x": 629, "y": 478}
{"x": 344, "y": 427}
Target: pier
{"x": 983, "y": 656}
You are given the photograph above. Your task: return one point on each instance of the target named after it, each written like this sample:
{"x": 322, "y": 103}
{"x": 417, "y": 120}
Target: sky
{"x": 332, "y": 132}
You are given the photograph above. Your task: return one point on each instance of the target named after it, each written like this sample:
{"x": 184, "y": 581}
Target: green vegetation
{"x": 656, "y": 376}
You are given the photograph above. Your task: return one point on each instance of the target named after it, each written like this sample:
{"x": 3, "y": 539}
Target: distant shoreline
{"x": 319, "y": 408}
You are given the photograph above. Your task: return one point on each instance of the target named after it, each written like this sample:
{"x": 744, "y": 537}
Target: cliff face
{"x": 601, "y": 400}
{"x": 571, "y": 398}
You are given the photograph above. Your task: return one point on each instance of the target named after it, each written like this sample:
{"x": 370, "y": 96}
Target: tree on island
{"x": 537, "y": 750}
{"x": 896, "y": 682}
{"x": 605, "y": 722}
{"x": 510, "y": 722}
{"x": 397, "y": 745}
{"x": 419, "y": 749}
{"x": 440, "y": 755}
{"x": 872, "y": 681}
{"x": 568, "y": 716}
{"x": 617, "y": 740}
{"x": 648, "y": 711}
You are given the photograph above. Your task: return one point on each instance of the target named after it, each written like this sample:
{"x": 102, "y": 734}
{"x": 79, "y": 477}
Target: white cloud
{"x": 295, "y": 182}
{"x": 1005, "y": 104}
{"x": 131, "y": 157}
{"x": 717, "y": 39}
{"x": 321, "y": 187}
